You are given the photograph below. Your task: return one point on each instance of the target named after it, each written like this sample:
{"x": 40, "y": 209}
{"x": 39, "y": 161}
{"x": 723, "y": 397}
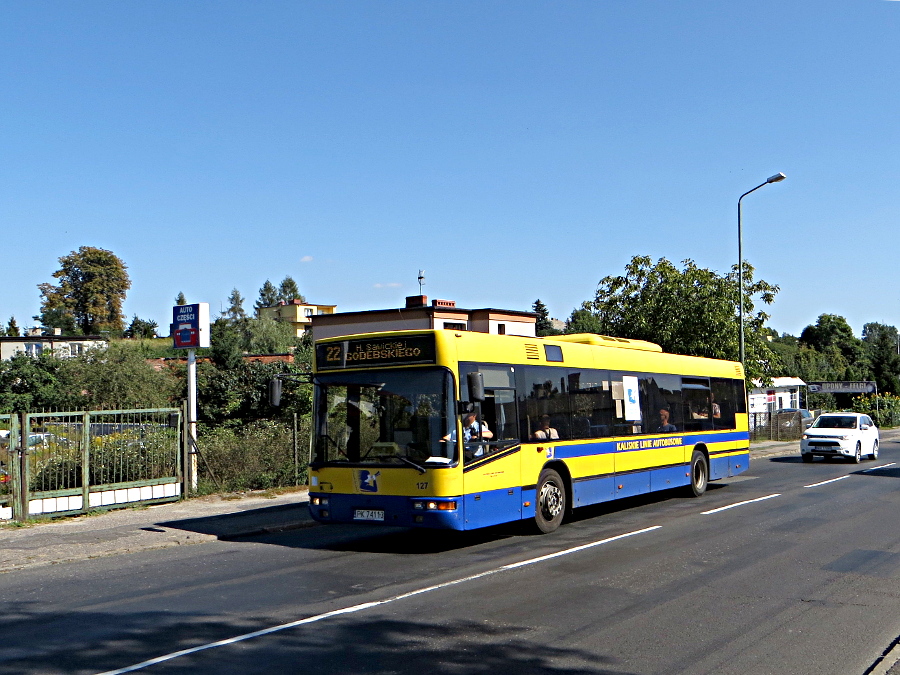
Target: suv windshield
{"x": 384, "y": 417}
{"x": 835, "y": 422}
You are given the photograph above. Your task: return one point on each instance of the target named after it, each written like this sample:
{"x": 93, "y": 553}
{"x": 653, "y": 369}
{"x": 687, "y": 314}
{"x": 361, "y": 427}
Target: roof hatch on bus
{"x": 607, "y": 341}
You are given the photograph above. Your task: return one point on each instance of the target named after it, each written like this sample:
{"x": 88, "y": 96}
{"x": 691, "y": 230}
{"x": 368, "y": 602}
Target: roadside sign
{"x": 190, "y": 326}
{"x": 842, "y": 387}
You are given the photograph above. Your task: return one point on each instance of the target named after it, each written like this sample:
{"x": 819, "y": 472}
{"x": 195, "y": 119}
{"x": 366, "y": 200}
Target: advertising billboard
{"x": 190, "y": 326}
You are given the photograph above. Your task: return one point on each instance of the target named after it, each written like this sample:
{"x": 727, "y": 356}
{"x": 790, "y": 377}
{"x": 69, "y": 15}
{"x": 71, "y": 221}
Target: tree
{"x": 116, "y": 378}
{"x": 58, "y": 317}
{"x": 139, "y": 328}
{"x": 12, "y": 328}
{"x": 180, "y": 299}
{"x": 289, "y": 291}
{"x": 872, "y": 332}
{"x": 833, "y": 332}
{"x": 235, "y": 312}
{"x": 690, "y": 311}
{"x": 267, "y": 336}
{"x": 92, "y": 287}
{"x": 544, "y": 325}
{"x": 268, "y": 296}
{"x": 30, "y": 383}
{"x": 225, "y": 344}
{"x": 885, "y": 362}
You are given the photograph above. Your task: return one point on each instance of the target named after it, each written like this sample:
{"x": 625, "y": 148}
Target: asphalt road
{"x": 806, "y": 579}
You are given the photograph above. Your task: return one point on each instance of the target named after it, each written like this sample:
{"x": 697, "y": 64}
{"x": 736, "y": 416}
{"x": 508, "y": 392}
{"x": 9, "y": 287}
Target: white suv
{"x": 845, "y": 434}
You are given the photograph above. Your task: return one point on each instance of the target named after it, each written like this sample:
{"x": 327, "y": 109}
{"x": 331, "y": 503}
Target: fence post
{"x": 15, "y": 466}
{"x": 296, "y": 455}
{"x": 185, "y": 450}
{"x": 86, "y": 461}
{"x": 22, "y": 493}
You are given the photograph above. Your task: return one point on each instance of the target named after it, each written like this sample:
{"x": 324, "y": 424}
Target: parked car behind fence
{"x": 786, "y": 424}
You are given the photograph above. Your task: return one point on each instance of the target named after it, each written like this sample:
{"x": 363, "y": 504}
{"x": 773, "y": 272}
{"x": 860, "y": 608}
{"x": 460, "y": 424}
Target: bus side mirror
{"x": 275, "y": 392}
{"x": 476, "y": 387}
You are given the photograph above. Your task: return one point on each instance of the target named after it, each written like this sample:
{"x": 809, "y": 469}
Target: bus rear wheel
{"x": 550, "y": 505}
{"x": 699, "y": 473}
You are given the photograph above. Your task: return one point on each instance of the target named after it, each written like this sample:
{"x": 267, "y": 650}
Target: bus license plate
{"x": 368, "y": 514}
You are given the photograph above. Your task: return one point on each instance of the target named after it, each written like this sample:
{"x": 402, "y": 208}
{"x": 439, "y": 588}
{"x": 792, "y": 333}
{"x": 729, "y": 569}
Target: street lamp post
{"x": 777, "y": 178}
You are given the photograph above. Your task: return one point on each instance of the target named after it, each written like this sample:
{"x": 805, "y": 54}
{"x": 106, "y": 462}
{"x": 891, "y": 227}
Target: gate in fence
{"x": 61, "y": 463}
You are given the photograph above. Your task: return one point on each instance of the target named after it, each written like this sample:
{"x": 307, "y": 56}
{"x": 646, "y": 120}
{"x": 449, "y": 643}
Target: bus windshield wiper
{"x": 420, "y": 469}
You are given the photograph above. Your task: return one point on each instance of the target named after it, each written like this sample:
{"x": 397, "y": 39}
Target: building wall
{"x": 298, "y": 315}
{"x": 758, "y": 399}
{"x": 510, "y": 326}
{"x": 34, "y": 346}
{"x": 425, "y": 317}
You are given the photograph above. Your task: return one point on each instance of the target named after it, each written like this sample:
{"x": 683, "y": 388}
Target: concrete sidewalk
{"x": 196, "y": 521}
{"x": 193, "y": 521}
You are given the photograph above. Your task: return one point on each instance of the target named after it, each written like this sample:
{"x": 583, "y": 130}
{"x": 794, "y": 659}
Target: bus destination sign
{"x": 368, "y": 353}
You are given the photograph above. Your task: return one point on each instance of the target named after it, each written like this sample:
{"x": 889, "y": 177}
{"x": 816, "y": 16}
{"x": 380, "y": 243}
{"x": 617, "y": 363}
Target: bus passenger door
{"x": 492, "y": 473}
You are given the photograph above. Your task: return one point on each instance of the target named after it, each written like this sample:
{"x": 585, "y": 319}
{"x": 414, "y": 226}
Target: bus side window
{"x": 590, "y": 398}
{"x": 696, "y": 395}
{"x": 724, "y": 404}
{"x": 661, "y": 392}
{"x": 499, "y": 412}
{"x": 542, "y": 391}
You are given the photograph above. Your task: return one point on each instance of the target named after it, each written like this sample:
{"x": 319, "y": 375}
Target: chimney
{"x": 57, "y": 331}
{"x": 443, "y": 303}
{"x": 416, "y": 301}
{"x": 34, "y": 332}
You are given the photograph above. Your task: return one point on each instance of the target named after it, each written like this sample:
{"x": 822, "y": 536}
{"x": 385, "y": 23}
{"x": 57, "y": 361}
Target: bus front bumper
{"x": 435, "y": 512}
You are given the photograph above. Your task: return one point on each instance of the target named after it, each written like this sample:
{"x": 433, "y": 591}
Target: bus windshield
{"x": 385, "y": 417}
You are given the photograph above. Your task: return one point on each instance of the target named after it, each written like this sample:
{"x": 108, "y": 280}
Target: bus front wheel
{"x": 550, "y": 506}
{"x": 699, "y": 473}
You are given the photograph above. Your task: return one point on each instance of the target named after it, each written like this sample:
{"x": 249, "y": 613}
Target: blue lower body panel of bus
{"x": 723, "y": 467}
{"x": 493, "y": 507}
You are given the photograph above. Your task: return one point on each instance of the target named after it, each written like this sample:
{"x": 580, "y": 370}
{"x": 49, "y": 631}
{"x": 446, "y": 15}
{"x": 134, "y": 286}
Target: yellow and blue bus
{"x": 462, "y": 430}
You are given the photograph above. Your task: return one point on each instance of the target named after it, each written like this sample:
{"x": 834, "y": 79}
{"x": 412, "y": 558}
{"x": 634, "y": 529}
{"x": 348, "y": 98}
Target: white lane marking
{"x": 875, "y": 468}
{"x": 731, "y": 506}
{"x": 826, "y": 482}
{"x": 366, "y": 605}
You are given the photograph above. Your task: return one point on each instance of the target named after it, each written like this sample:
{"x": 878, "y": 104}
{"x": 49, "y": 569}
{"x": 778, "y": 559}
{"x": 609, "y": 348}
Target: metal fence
{"x": 771, "y": 426}
{"x": 73, "y": 462}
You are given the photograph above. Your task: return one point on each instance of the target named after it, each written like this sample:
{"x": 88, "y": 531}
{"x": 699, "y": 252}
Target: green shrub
{"x": 884, "y": 409}
{"x": 256, "y": 456}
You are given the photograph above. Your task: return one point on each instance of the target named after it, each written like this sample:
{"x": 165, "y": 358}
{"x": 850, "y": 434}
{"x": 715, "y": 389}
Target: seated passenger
{"x": 545, "y": 432}
{"x": 665, "y": 427}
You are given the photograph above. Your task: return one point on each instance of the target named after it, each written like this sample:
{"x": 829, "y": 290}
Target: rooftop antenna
{"x": 421, "y": 280}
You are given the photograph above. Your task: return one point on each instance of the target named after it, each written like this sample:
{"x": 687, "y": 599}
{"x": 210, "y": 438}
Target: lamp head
{"x": 777, "y": 178}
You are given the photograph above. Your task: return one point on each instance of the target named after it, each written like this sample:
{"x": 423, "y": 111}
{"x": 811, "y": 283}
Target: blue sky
{"x": 512, "y": 150}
